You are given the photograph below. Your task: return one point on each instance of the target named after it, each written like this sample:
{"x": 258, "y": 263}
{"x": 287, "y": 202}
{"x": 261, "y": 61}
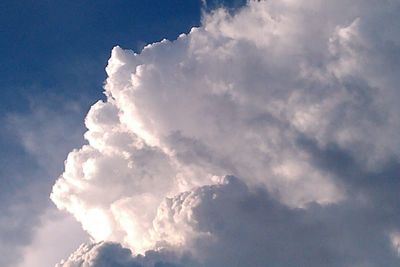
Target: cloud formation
{"x": 295, "y": 99}
{"x": 33, "y": 148}
{"x": 254, "y": 230}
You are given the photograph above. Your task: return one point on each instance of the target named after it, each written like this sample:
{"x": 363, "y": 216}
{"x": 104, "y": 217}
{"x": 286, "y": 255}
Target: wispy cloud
{"x": 38, "y": 141}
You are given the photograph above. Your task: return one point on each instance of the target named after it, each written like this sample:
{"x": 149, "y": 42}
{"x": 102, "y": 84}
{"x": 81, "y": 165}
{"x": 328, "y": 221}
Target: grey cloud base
{"x": 296, "y": 98}
{"x": 256, "y": 230}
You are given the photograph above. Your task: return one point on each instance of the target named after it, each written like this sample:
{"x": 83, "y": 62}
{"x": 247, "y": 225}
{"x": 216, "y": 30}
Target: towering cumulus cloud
{"x": 268, "y": 137}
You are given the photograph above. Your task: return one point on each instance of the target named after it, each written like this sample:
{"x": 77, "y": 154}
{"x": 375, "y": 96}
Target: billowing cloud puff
{"x": 229, "y": 225}
{"x": 297, "y": 98}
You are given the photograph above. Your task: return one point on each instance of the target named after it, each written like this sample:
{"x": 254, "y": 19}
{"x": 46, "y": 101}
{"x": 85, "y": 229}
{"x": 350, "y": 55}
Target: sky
{"x": 200, "y": 134}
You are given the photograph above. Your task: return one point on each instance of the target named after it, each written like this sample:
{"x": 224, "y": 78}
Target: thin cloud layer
{"x": 296, "y": 100}
{"x": 34, "y": 145}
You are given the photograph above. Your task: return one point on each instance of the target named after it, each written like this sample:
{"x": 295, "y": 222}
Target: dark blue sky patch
{"x": 63, "y": 46}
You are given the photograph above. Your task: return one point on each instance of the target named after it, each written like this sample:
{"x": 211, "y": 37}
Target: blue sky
{"x": 63, "y": 46}
{"x": 53, "y": 55}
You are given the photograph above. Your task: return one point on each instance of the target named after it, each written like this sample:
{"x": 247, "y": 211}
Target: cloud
{"x": 297, "y": 99}
{"x": 45, "y": 248}
{"x": 230, "y": 225}
{"x": 113, "y": 254}
{"x": 37, "y": 141}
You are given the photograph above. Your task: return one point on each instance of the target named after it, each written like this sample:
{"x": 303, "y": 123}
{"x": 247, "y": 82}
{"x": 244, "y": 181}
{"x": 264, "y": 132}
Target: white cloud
{"x": 45, "y": 248}
{"x": 36, "y": 142}
{"x": 226, "y": 224}
{"x": 298, "y": 100}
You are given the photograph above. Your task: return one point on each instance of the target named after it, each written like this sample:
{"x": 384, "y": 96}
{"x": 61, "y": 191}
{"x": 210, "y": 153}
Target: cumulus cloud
{"x": 230, "y": 225}
{"x": 296, "y": 98}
